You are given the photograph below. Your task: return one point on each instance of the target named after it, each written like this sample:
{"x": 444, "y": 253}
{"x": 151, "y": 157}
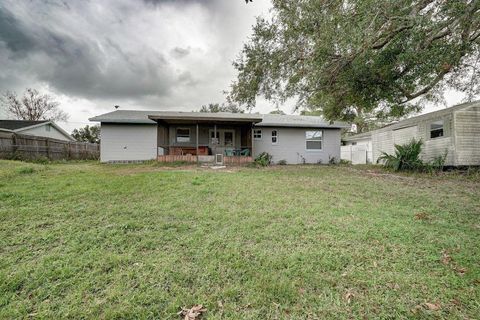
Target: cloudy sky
{"x": 91, "y": 55}
{"x": 139, "y": 54}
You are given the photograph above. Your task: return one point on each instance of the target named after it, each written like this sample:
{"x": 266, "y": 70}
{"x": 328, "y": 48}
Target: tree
{"x": 216, "y": 107}
{"x": 32, "y": 106}
{"x": 361, "y": 60}
{"x": 87, "y": 134}
{"x": 277, "y": 111}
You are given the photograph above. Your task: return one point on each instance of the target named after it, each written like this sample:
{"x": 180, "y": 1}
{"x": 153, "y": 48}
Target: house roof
{"x": 279, "y": 120}
{"x": 261, "y": 120}
{"x": 415, "y": 119}
{"x": 205, "y": 116}
{"x": 18, "y": 124}
{"x": 358, "y": 136}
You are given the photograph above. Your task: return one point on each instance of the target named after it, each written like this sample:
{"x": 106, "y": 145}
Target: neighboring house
{"x": 453, "y": 131}
{"x": 174, "y": 136}
{"x": 42, "y": 128}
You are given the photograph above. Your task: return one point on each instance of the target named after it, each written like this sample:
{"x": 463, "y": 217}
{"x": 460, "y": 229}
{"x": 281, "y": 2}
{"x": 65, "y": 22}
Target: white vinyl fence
{"x": 357, "y": 154}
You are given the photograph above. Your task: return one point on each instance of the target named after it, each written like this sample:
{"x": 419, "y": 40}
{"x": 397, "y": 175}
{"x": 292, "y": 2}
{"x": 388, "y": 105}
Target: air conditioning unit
{"x": 219, "y": 159}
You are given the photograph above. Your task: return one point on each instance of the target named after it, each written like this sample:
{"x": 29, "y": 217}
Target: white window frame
{"x": 257, "y": 134}
{"x": 318, "y": 140}
{"x": 189, "y": 135}
{"x": 443, "y": 129}
{"x": 275, "y": 136}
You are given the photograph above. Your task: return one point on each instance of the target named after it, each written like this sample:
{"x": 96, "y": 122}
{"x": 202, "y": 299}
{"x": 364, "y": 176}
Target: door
{"x": 225, "y": 139}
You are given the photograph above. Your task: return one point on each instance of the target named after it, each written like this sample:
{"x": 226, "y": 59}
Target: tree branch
{"x": 435, "y": 81}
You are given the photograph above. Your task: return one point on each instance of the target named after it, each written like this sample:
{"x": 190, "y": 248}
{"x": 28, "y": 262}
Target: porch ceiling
{"x": 206, "y": 118}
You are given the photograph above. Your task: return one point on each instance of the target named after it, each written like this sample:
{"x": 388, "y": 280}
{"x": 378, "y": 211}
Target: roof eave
{"x": 206, "y": 118}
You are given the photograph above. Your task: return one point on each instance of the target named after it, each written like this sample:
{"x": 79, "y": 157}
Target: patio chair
{"x": 245, "y": 152}
{"x": 229, "y": 152}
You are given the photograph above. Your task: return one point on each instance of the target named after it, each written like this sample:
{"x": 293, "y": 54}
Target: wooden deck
{"x": 235, "y": 160}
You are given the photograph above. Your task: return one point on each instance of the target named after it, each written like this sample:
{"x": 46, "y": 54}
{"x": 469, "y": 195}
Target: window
{"x": 314, "y": 140}
{"x": 228, "y": 138}
{"x": 257, "y": 134}
{"x": 274, "y": 136}
{"x": 436, "y": 129}
{"x": 213, "y": 139}
{"x": 183, "y": 135}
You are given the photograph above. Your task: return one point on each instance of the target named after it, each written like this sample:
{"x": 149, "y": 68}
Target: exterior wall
{"x": 467, "y": 136}
{"x": 128, "y": 142}
{"x": 291, "y": 145}
{"x": 41, "y": 131}
{"x": 383, "y": 140}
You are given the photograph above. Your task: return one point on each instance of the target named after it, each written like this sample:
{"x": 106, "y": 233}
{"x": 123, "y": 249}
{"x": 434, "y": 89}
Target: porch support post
{"x": 196, "y": 135}
{"x": 215, "y": 138}
{"x": 252, "y": 140}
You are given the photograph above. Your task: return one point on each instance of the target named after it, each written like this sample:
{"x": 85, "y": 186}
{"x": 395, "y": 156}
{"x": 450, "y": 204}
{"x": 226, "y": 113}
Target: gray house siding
{"x": 291, "y": 145}
{"x": 128, "y": 142}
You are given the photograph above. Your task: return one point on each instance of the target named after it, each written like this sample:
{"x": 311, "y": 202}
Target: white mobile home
{"x": 129, "y": 135}
{"x": 454, "y": 131}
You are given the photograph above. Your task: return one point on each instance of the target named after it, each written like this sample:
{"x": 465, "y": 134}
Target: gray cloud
{"x": 150, "y": 53}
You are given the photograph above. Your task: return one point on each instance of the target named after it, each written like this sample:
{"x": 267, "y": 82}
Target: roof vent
{"x": 116, "y": 107}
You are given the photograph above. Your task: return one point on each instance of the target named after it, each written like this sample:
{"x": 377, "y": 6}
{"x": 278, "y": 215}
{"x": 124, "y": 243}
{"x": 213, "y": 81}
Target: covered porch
{"x": 205, "y": 138}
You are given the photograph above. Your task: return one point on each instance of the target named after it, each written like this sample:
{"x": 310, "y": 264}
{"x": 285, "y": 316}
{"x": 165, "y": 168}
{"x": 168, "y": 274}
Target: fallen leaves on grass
{"x": 448, "y": 261}
{"x": 446, "y": 258}
{"x": 432, "y": 306}
{"x": 349, "y": 295}
{"x": 193, "y": 313}
{"x": 422, "y": 216}
{"x": 460, "y": 271}
{"x": 428, "y": 306}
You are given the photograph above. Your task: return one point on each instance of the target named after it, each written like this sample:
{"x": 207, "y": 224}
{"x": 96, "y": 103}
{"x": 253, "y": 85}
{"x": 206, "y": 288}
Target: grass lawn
{"x": 84, "y": 240}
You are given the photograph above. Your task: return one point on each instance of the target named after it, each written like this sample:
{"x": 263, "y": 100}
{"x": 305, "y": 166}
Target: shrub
{"x": 345, "y": 162}
{"x": 282, "y": 162}
{"x": 332, "y": 160}
{"x": 406, "y": 157}
{"x": 437, "y": 164}
{"x": 263, "y": 159}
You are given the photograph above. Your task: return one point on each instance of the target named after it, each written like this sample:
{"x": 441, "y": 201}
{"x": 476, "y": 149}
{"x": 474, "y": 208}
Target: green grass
{"x": 85, "y": 240}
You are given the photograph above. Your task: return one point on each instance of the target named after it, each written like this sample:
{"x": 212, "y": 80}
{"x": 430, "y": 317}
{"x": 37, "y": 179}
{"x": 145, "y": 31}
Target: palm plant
{"x": 406, "y": 157}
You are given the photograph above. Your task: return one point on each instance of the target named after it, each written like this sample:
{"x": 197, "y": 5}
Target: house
{"x": 238, "y": 137}
{"x": 453, "y": 131}
{"x": 42, "y": 128}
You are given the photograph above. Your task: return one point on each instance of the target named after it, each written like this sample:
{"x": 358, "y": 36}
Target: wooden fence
{"x": 26, "y": 147}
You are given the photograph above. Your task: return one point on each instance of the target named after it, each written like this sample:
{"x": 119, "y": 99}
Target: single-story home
{"x": 129, "y": 135}
{"x": 41, "y": 128}
{"x": 453, "y": 131}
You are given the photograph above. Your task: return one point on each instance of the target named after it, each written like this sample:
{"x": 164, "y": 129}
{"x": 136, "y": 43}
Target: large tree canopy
{"x": 358, "y": 59}
{"x": 217, "y": 107}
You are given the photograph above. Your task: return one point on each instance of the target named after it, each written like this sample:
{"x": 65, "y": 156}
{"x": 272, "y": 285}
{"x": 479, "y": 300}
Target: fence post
{"x": 47, "y": 144}
{"x": 14, "y": 144}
